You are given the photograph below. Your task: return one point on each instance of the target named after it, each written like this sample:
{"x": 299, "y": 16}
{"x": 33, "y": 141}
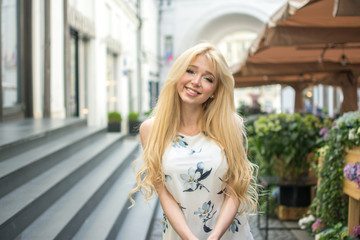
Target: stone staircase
{"x": 71, "y": 182}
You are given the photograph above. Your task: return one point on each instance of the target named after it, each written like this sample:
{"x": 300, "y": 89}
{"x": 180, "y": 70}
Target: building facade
{"x": 232, "y": 25}
{"x": 78, "y": 58}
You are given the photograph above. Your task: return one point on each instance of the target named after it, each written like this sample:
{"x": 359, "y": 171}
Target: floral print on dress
{"x": 181, "y": 207}
{"x": 193, "y": 178}
{"x": 234, "y": 225}
{"x": 205, "y": 214}
{"x": 165, "y": 223}
{"x": 180, "y": 142}
{"x": 222, "y": 190}
{"x": 192, "y": 151}
{"x": 167, "y": 178}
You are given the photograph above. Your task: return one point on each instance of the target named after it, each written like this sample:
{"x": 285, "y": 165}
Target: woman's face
{"x": 198, "y": 83}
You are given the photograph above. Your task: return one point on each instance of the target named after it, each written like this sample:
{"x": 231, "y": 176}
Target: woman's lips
{"x": 191, "y": 91}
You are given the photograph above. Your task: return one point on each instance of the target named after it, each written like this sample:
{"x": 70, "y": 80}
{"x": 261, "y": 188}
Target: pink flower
{"x": 356, "y": 231}
{"x": 317, "y": 225}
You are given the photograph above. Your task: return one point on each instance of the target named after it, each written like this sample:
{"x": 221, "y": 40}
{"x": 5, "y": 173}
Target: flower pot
{"x": 114, "y": 127}
{"x": 295, "y": 196}
{"x": 291, "y": 213}
{"x": 134, "y": 127}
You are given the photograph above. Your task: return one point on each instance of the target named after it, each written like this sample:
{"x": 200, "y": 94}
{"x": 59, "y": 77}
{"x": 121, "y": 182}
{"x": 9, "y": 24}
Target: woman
{"x": 194, "y": 155}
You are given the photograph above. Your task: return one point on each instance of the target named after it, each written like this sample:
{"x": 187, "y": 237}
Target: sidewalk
{"x": 156, "y": 232}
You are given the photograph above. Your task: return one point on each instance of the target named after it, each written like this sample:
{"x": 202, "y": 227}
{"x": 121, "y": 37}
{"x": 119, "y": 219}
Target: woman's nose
{"x": 196, "y": 79}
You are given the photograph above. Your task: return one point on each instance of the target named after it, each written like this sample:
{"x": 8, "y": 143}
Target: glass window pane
{"x": 9, "y": 64}
{"x": 111, "y": 83}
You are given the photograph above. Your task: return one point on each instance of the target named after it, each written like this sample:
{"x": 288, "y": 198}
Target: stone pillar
{"x": 348, "y": 83}
{"x": 299, "y": 103}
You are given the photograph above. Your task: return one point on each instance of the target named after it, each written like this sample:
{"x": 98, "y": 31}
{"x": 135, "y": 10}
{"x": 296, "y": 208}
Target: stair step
{"x": 21, "y": 168}
{"x": 156, "y": 232}
{"x": 20, "y": 136}
{"x": 138, "y": 220}
{"x": 65, "y": 216}
{"x": 24, "y": 204}
{"x": 111, "y": 212}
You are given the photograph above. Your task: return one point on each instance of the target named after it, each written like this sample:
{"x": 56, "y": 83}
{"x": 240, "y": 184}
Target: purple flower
{"x": 356, "y": 231}
{"x": 317, "y": 225}
{"x": 324, "y": 132}
{"x": 352, "y": 172}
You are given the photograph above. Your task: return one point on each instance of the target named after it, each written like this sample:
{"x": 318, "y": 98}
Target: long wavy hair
{"x": 218, "y": 120}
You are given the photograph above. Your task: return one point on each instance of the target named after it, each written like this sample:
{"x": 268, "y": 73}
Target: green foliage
{"x": 133, "y": 116}
{"x": 338, "y": 232}
{"x": 114, "y": 117}
{"x": 330, "y": 203}
{"x": 246, "y": 110}
{"x": 148, "y": 113}
{"x": 280, "y": 143}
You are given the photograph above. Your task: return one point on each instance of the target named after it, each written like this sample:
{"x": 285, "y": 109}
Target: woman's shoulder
{"x": 145, "y": 128}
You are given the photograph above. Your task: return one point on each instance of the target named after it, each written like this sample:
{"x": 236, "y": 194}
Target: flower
{"x": 205, "y": 214}
{"x": 317, "y": 225}
{"x": 356, "y": 231}
{"x": 179, "y": 142}
{"x": 165, "y": 224}
{"x": 191, "y": 179}
{"x": 324, "y": 132}
{"x": 352, "y": 134}
{"x": 352, "y": 172}
{"x": 234, "y": 225}
{"x": 205, "y": 211}
{"x": 306, "y": 221}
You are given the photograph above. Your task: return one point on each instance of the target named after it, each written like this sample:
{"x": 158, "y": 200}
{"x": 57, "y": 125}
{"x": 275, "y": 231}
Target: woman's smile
{"x": 198, "y": 83}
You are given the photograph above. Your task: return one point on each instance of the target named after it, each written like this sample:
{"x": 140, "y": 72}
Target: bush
{"x": 281, "y": 143}
{"x": 133, "y": 116}
{"x": 114, "y": 117}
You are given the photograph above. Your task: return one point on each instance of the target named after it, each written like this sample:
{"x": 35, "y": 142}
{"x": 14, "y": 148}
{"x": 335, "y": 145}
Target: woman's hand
{"x": 227, "y": 214}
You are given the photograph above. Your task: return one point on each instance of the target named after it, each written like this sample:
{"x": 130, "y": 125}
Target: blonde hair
{"x": 219, "y": 121}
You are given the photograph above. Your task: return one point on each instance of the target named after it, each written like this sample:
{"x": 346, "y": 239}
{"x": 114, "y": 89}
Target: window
{"x": 168, "y": 49}
{"x": 9, "y": 52}
{"x": 111, "y": 84}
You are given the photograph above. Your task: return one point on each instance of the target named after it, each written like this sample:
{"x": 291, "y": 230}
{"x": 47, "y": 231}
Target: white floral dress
{"x": 193, "y": 168}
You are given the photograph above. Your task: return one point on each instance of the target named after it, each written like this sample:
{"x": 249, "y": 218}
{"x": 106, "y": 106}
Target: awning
{"x": 302, "y": 42}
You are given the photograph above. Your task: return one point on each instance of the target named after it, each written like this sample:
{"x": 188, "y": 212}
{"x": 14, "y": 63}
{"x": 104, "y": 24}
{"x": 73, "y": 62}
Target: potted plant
{"x": 281, "y": 144}
{"x": 134, "y": 123}
{"x": 114, "y": 121}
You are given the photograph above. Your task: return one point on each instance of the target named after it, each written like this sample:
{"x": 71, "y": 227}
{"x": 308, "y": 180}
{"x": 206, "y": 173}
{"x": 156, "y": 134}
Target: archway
{"x": 218, "y": 21}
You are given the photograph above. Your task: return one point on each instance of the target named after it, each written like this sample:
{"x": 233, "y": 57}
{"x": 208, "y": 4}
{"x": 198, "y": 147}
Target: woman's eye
{"x": 209, "y": 79}
{"x": 190, "y": 71}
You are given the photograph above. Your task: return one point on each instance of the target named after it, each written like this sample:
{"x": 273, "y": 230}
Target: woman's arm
{"x": 174, "y": 213}
{"x": 171, "y": 208}
{"x": 227, "y": 214}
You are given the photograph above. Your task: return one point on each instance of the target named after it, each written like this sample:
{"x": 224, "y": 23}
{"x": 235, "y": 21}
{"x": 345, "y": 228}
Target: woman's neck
{"x": 189, "y": 123}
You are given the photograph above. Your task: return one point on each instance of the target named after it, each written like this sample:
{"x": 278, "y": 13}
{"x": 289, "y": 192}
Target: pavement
{"x": 156, "y": 232}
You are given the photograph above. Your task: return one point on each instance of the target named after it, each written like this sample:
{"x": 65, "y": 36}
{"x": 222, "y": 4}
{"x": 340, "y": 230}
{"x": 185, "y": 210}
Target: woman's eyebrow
{"x": 207, "y": 72}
